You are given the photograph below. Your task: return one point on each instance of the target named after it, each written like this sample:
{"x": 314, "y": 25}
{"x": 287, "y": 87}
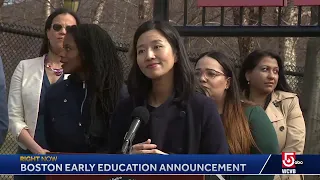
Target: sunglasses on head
{"x": 58, "y": 27}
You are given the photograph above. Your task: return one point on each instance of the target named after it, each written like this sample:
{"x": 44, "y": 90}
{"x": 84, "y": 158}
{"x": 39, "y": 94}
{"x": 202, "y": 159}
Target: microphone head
{"x": 142, "y": 113}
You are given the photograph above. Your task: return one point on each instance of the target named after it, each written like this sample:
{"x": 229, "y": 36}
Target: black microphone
{"x": 140, "y": 115}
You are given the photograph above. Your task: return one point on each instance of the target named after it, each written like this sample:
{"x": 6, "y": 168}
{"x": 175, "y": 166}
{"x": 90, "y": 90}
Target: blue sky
{"x": 8, "y": 2}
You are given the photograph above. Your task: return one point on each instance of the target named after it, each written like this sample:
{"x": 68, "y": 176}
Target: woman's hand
{"x": 41, "y": 151}
{"x": 146, "y": 148}
{"x": 28, "y": 141}
{"x": 44, "y": 151}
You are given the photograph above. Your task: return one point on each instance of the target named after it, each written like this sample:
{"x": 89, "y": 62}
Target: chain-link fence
{"x": 21, "y": 42}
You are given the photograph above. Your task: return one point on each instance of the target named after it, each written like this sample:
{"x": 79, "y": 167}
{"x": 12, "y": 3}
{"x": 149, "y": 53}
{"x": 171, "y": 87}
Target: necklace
{"x": 57, "y": 72}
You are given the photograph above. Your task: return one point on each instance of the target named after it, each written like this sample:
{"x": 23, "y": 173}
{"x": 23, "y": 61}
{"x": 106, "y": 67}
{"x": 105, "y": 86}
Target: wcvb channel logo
{"x": 289, "y": 162}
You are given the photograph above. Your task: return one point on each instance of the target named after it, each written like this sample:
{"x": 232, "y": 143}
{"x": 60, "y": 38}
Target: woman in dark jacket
{"x": 162, "y": 80}
{"x": 77, "y": 113}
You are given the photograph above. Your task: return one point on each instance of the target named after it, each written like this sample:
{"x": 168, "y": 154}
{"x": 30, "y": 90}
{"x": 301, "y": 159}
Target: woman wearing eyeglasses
{"x": 30, "y": 81}
{"x": 248, "y": 128}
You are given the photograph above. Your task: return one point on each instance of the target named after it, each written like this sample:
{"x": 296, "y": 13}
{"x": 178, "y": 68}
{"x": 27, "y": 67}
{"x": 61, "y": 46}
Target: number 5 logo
{"x": 288, "y": 160}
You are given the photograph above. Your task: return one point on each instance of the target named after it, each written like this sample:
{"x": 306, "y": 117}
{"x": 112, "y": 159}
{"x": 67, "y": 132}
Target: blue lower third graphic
{"x": 153, "y": 164}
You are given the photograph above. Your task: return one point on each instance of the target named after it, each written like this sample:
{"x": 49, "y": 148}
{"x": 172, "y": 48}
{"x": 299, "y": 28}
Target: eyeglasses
{"x": 208, "y": 73}
{"x": 58, "y": 27}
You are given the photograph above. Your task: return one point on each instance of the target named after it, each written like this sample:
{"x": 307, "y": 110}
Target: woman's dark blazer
{"x": 190, "y": 127}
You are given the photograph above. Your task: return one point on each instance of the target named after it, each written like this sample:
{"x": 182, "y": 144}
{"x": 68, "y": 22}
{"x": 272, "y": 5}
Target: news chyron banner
{"x": 98, "y": 164}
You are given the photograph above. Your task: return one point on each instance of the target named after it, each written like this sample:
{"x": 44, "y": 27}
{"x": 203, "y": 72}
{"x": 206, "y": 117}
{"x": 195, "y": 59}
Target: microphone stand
{"x": 126, "y": 147}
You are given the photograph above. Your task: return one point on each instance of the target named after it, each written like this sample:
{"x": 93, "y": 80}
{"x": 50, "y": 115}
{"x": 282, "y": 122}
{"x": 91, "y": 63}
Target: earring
{"x": 248, "y": 82}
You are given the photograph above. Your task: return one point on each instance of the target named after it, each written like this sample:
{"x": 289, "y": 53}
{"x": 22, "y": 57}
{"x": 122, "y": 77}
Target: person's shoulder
{"x": 200, "y": 99}
{"x": 31, "y": 61}
{"x": 286, "y": 99}
{"x": 126, "y": 100}
{"x": 1, "y": 63}
{"x": 203, "y": 105}
{"x": 125, "y": 103}
{"x": 2, "y": 75}
{"x": 282, "y": 95}
{"x": 254, "y": 108}
{"x": 123, "y": 110}
{"x": 254, "y": 111}
{"x": 30, "y": 65}
{"x": 124, "y": 92}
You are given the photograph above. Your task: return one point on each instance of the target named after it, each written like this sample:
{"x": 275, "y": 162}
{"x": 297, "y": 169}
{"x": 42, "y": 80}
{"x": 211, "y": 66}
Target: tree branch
{"x": 99, "y": 12}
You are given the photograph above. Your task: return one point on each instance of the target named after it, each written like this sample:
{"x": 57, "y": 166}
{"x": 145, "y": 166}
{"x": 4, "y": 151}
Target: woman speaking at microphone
{"x": 161, "y": 79}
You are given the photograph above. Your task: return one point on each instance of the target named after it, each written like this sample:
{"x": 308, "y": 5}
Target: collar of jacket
{"x": 143, "y": 101}
{"x": 274, "y": 108}
{"x": 185, "y": 112}
{"x": 74, "y": 79}
{"x": 278, "y": 96}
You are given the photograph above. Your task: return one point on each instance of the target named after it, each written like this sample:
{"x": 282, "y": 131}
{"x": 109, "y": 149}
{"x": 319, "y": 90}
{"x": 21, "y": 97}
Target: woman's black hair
{"x": 252, "y": 61}
{"x": 184, "y": 81}
{"x": 103, "y": 68}
{"x": 45, "y": 43}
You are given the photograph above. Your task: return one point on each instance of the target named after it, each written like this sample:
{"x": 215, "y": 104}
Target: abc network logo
{"x": 289, "y": 162}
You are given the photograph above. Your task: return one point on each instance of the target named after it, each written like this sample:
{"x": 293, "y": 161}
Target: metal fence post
{"x": 161, "y": 10}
